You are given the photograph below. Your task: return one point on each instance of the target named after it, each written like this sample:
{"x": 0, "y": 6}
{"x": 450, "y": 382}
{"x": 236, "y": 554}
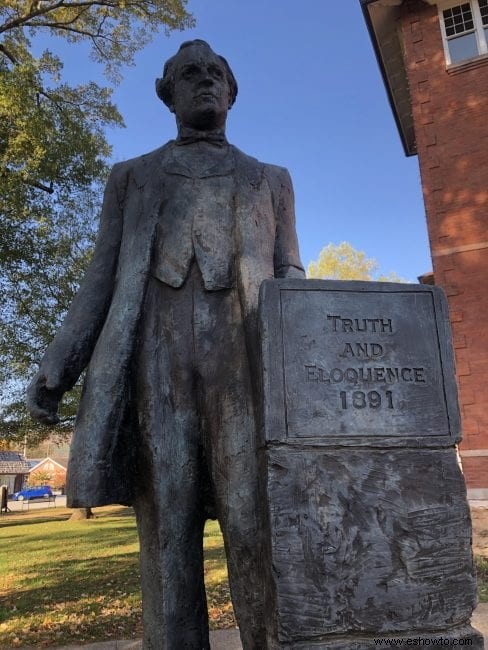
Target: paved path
{"x": 24, "y": 506}
{"x": 219, "y": 640}
{"x": 480, "y": 620}
{"x": 229, "y": 639}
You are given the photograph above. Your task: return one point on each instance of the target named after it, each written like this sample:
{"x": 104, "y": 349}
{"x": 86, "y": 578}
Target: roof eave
{"x": 403, "y": 119}
{"x": 44, "y": 460}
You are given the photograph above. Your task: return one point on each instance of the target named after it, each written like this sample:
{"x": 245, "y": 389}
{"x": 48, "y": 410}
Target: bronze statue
{"x": 165, "y": 322}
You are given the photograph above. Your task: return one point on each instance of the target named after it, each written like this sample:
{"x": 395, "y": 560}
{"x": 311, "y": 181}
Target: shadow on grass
{"x": 215, "y": 554}
{"x": 25, "y": 517}
{"x": 124, "y": 511}
{"x": 79, "y": 581}
{"x": 32, "y": 520}
{"x": 70, "y": 579}
{"x": 97, "y": 598}
{"x": 75, "y": 540}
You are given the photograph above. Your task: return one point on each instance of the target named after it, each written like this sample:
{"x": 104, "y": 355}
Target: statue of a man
{"x": 165, "y": 320}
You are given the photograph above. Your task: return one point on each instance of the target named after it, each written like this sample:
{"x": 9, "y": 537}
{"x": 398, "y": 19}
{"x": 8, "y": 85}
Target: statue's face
{"x": 201, "y": 93}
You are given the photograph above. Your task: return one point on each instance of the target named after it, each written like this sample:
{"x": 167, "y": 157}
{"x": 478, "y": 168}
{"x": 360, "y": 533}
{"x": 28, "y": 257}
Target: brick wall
{"x": 54, "y": 476}
{"x": 450, "y": 109}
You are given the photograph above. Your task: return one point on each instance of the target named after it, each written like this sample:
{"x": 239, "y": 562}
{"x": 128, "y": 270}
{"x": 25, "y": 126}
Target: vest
{"x": 197, "y": 222}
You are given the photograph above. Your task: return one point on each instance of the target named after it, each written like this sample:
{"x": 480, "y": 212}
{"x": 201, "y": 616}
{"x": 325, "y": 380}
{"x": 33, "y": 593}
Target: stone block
{"x": 368, "y": 531}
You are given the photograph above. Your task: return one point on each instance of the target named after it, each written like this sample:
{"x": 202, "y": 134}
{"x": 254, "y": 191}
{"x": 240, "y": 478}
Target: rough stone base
{"x": 366, "y": 544}
{"x": 461, "y": 637}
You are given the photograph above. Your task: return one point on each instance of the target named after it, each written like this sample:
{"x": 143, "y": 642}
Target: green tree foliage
{"x": 52, "y": 133}
{"x": 37, "y": 285}
{"x": 343, "y": 262}
{"x": 53, "y": 163}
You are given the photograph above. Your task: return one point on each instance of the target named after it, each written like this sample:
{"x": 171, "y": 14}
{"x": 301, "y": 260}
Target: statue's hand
{"x": 43, "y": 400}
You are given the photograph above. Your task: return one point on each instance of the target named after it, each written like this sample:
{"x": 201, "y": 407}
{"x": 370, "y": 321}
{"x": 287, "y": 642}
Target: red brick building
{"x": 48, "y": 471}
{"x": 433, "y": 55}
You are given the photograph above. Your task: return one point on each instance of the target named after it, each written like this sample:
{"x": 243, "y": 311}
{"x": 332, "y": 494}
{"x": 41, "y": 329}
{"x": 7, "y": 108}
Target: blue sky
{"x": 311, "y": 99}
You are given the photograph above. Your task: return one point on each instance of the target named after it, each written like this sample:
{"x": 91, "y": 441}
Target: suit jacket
{"x": 100, "y": 328}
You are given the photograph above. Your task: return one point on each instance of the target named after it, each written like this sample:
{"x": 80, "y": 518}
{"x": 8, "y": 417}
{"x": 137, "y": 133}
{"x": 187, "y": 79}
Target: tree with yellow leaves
{"x": 343, "y": 262}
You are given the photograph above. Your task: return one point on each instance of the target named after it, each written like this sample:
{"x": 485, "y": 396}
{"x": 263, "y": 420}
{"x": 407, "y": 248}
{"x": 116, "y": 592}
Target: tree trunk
{"x": 81, "y": 513}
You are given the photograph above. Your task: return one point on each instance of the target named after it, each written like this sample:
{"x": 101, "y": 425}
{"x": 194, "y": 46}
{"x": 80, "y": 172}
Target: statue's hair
{"x": 165, "y": 85}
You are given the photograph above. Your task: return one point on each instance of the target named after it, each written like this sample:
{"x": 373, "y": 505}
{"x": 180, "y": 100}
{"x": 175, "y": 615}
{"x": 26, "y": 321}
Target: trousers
{"x": 197, "y": 450}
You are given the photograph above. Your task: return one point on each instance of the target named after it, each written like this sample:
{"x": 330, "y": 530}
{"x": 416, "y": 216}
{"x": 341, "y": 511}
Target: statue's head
{"x": 198, "y": 86}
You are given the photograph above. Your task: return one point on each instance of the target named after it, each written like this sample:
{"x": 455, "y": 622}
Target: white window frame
{"x": 480, "y": 30}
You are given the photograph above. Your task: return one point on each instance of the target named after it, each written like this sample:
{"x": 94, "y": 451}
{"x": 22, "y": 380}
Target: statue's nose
{"x": 206, "y": 79}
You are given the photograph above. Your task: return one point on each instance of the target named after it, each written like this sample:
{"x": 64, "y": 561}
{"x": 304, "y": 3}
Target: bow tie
{"x": 189, "y": 136}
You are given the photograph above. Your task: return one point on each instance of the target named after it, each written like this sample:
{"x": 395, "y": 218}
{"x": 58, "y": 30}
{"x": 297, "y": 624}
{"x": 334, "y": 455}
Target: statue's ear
{"x": 164, "y": 94}
{"x": 159, "y": 88}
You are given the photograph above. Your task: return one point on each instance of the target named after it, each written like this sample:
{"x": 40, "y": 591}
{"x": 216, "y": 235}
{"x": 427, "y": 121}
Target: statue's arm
{"x": 287, "y": 261}
{"x": 71, "y": 349}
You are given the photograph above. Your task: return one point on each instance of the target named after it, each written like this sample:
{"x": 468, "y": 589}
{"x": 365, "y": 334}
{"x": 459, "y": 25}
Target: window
{"x": 484, "y": 17}
{"x": 464, "y": 29}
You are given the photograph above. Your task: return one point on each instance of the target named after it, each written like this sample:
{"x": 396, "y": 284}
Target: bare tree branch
{"x": 8, "y": 54}
{"x": 65, "y": 27}
{"x": 37, "y": 10}
{"x": 40, "y": 186}
{"x": 82, "y": 11}
{"x": 24, "y": 20}
{"x": 30, "y": 181}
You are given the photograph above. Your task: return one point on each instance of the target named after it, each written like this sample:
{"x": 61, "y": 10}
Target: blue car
{"x": 39, "y": 492}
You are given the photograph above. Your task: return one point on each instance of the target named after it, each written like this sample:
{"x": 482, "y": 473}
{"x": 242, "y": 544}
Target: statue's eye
{"x": 215, "y": 71}
{"x": 189, "y": 72}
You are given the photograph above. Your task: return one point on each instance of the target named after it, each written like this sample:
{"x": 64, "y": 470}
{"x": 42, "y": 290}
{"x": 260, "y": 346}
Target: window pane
{"x": 484, "y": 11}
{"x": 460, "y": 16}
{"x": 463, "y": 47}
{"x": 458, "y": 21}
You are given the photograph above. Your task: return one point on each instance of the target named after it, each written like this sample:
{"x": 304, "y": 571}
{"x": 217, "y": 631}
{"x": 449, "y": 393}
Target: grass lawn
{"x": 77, "y": 581}
{"x": 72, "y": 581}
{"x": 482, "y": 574}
